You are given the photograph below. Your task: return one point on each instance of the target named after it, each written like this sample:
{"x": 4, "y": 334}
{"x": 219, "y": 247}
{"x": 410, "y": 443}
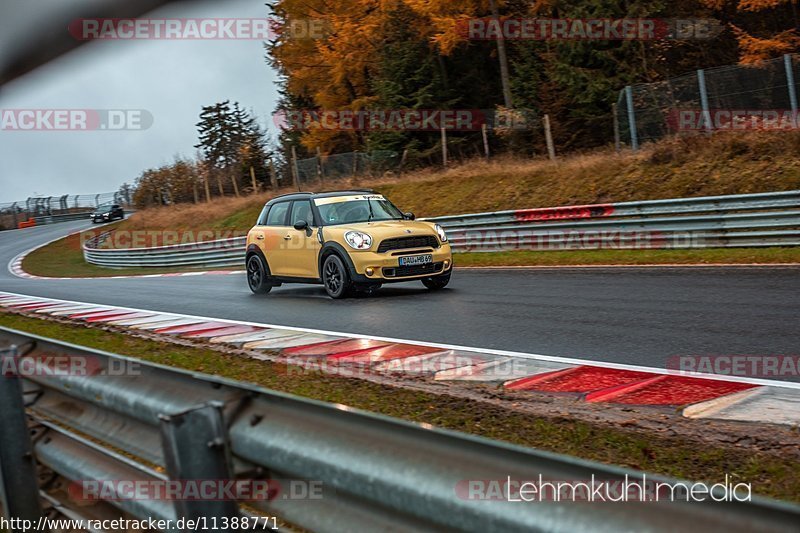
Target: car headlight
{"x": 358, "y": 240}
{"x": 440, "y": 231}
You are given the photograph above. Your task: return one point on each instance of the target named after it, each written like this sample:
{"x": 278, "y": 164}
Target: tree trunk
{"x": 501, "y": 56}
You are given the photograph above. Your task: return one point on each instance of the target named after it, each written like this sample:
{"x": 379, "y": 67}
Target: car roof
{"x": 310, "y": 195}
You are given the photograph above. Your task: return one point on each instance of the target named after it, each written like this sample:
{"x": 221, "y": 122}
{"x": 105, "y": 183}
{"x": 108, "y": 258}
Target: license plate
{"x": 412, "y": 260}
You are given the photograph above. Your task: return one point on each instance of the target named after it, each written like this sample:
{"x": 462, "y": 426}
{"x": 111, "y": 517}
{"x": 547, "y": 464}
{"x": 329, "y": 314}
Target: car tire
{"x": 437, "y": 282}
{"x": 258, "y": 275}
{"x": 335, "y": 277}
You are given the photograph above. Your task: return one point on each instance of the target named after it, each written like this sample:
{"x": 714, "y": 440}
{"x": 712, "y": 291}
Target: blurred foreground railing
{"x": 96, "y": 419}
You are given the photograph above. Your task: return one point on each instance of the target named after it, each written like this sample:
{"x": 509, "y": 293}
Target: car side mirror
{"x": 300, "y": 225}
{"x": 409, "y": 216}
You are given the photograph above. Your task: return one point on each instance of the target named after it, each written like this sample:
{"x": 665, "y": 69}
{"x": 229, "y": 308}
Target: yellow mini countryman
{"x": 350, "y": 241}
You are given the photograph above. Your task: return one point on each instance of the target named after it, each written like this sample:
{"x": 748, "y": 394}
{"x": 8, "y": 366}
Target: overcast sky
{"x": 170, "y": 79}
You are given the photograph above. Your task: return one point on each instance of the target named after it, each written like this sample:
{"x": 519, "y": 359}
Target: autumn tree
{"x": 764, "y": 29}
{"x": 231, "y": 142}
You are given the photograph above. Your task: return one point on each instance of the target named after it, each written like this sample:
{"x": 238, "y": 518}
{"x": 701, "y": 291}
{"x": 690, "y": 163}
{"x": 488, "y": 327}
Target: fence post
{"x": 444, "y": 147}
{"x": 19, "y": 484}
{"x": 295, "y": 171}
{"x": 403, "y": 160}
{"x": 320, "y": 173}
{"x": 485, "y": 135}
{"x": 631, "y": 118}
{"x": 548, "y": 137}
{"x": 617, "y": 142}
{"x": 787, "y": 63}
{"x": 701, "y": 84}
{"x": 273, "y": 178}
{"x": 196, "y": 448}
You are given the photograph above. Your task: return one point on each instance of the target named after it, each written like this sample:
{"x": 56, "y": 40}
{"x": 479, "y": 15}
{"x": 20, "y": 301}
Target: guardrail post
{"x": 701, "y": 85}
{"x": 196, "y": 449}
{"x": 19, "y": 484}
{"x": 631, "y": 118}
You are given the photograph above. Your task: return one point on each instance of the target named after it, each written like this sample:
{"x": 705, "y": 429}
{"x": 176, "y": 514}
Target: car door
{"x": 301, "y": 246}
{"x": 270, "y": 237}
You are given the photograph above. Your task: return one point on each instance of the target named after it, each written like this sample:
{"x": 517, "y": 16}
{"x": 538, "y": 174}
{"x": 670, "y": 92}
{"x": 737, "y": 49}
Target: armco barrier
{"x": 123, "y": 421}
{"x": 746, "y": 220}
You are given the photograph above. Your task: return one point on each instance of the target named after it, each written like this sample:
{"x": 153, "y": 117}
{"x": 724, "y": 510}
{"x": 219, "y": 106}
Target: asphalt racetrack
{"x": 638, "y": 316}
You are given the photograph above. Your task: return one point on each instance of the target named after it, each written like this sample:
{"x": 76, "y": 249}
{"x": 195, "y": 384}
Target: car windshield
{"x": 350, "y": 210}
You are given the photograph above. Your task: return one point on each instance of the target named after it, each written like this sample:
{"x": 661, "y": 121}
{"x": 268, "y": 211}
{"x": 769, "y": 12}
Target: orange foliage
{"x": 335, "y": 72}
{"x": 753, "y": 49}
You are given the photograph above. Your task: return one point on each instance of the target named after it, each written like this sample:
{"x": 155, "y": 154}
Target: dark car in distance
{"x": 107, "y": 213}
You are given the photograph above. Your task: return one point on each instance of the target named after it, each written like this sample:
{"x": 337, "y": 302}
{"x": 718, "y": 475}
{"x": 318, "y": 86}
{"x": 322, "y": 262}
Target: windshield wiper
{"x": 371, "y": 214}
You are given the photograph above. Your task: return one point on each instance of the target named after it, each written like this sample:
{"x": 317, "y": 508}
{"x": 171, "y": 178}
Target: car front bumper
{"x": 385, "y": 267}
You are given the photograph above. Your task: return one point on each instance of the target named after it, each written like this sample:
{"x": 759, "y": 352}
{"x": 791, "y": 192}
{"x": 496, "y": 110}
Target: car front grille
{"x": 401, "y": 243}
{"x": 413, "y": 270}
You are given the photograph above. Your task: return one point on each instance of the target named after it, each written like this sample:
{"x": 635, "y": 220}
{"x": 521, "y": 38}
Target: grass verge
{"x": 735, "y": 163}
{"x": 631, "y": 257}
{"x": 64, "y": 259}
{"x": 770, "y": 475}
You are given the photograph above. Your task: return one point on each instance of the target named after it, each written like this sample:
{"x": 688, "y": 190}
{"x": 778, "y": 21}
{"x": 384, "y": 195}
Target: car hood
{"x": 386, "y": 227}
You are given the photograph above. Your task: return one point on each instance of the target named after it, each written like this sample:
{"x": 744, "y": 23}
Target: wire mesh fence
{"x": 338, "y": 167}
{"x": 735, "y": 97}
{"x": 13, "y": 214}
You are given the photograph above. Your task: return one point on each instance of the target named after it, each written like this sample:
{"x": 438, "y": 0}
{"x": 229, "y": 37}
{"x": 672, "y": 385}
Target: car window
{"x": 262, "y": 218}
{"x": 277, "y": 214}
{"x": 354, "y": 211}
{"x": 301, "y": 210}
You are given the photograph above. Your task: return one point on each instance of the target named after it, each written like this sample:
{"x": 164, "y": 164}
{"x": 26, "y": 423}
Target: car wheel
{"x": 437, "y": 282}
{"x": 257, "y": 276}
{"x": 335, "y": 277}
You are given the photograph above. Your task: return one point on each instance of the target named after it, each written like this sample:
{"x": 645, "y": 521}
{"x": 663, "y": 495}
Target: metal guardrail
{"x": 52, "y": 209}
{"x": 152, "y": 423}
{"x": 223, "y": 252}
{"x": 745, "y": 220}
